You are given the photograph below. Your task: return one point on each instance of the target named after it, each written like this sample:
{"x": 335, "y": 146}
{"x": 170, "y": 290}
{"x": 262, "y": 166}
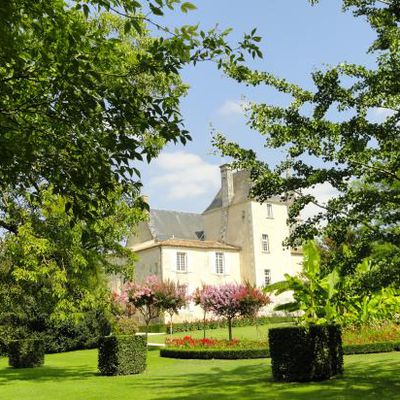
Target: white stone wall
{"x": 278, "y": 259}
{"x": 201, "y": 269}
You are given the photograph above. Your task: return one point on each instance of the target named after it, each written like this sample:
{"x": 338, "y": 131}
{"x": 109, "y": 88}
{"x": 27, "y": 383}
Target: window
{"x": 265, "y": 243}
{"x": 267, "y": 277}
{"x": 269, "y": 211}
{"x": 219, "y": 263}
{"x": 181, "y": 262}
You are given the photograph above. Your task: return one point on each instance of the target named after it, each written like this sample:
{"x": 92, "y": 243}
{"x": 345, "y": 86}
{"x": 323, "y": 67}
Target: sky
{"x": 297, "y": 40}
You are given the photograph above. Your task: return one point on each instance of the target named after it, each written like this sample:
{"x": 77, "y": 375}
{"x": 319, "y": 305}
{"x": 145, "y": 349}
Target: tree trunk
{"x": 147, "y": 330}
{"x": 170, "y": 324}
{"x": 204, "y": 324}
{"x": 230, "y": 328}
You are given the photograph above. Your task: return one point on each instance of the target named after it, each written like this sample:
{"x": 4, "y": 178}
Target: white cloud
{"x": 232, "y": 107}
{"x": 322, "y": 193}
{"x": 183, "y": 175}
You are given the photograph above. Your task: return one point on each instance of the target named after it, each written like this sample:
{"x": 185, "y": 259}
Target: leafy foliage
{"x": 332, "y": 298}
{"x": 330, "y": 138}
{"x": 26, "y": 353}
{"x": 301, "y": 355}
{"x": 86, "y": 95}
{"x": 153, "y": 297}
{"x": 230, "y": 300}
{"x": 122, "y": 355}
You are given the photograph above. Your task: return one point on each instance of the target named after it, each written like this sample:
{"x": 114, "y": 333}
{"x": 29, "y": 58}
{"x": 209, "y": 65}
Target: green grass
{"x": 73, "y": 376}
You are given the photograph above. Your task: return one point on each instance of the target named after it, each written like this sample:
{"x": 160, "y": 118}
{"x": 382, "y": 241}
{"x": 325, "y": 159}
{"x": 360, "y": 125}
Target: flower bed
{"x": 370, "y": 334}
{"x": 384, "y": 338}
{"x": 188, "y": 347}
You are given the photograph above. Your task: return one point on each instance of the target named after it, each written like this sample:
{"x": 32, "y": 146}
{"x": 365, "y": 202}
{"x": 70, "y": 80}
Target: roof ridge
{"x": 174, "y": 211}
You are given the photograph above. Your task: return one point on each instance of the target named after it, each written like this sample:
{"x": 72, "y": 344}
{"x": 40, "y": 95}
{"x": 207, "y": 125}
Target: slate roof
{"x": 166, "y": 224}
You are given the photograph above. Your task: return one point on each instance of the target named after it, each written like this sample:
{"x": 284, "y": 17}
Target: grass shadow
{"x": 44, "y": 373}
{"x": 364, "y": 381}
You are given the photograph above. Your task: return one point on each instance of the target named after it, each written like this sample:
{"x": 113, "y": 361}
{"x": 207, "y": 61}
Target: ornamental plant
{"x": 152, "y": 298}
{"x": 231, "y": 300}
{"x": 171, "y": 297}
{"x": 188, "y": 342}
{"x": 201, "y": 299}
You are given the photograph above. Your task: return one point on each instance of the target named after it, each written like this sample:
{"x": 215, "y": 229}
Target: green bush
{"x": 125, "y": 325}
{"x": 220, "y": 354}
{"x": 26, "y": 353}
{"x": 381, "y": 347}
{"x": 3, "y": 347}
{"x": 122, "y": 355}
{"x": 301, "y": 355}
{"x": 76, "y": 335}
{"x": 222, "y": 323}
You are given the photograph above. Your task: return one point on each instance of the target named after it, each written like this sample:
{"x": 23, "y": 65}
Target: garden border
{"x": 217, "y": 354}
{"x": 238, "y": 354}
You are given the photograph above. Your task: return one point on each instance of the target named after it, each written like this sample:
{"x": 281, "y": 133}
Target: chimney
{"x": 226, "y": 184}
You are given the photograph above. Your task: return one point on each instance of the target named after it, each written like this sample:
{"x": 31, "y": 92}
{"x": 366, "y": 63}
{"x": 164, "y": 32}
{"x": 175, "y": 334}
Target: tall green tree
{"x": 358, "y": 156}
{"x": 87, "y": 92}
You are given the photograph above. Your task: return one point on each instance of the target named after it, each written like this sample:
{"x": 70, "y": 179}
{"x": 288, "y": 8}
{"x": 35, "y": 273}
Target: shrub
{"x": 366, "y": 348}
{"x": 26, "y": 353}
{"x": 188, "y": 347}
{"x": 126, "y": 325}
{"x": 3, "y": 347}
{"x": 208, "y": 354}
{"x": 300, "y": 354}
{"x": 76, "y": 335}
{"x": 122, "y": 355}
{"x": 222, "y": 323}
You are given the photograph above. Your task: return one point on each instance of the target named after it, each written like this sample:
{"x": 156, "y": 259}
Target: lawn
{"x": 73, "y": 376}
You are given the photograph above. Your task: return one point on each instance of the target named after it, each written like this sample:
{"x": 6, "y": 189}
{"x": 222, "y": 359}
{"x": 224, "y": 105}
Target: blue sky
{"x": 297, "y": 40}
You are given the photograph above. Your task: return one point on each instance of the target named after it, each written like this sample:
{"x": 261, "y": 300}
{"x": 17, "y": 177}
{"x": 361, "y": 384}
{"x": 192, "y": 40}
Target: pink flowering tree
{"x": 171, "y": 297}
{"x": 142, "y": 298}
{"x": 231, "y": 300}
{"x": 200, "y": 298}
{"x": 153, "y": 297}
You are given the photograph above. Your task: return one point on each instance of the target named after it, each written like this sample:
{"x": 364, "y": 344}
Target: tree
{"x": 55, "y": 268}
{"x": 171, "y": 297}
{"x": 143, "y": 299}
{"x": 86, "y": 94}
{"x": 357, "y": 156}
{"x": 230, "y": 300}
{"x": 153, "y": 297}
{"x": 200, "y": 299}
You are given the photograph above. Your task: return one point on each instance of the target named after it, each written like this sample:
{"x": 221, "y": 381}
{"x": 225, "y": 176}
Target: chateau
{"x": 235, "y": 239}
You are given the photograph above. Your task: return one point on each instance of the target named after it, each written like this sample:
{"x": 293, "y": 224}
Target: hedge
{"x": 26, "y": 353}
{"x": 301, "y": 355}
{"x": 3, "y": 347}
{"x": 219, "y": 354}
{"x": 221, "y": 323}
{"x": 122, "y": 355}
{"x": 381, "y": 347}
{"x": 265, "y": 353}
